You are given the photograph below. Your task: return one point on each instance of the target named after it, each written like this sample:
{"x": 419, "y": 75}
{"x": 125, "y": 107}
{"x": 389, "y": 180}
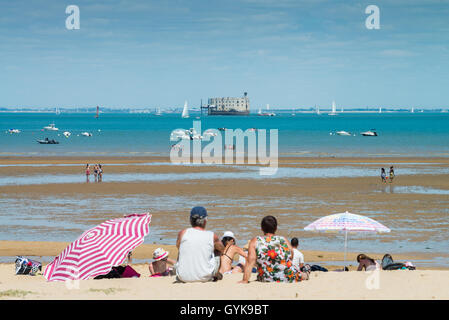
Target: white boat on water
{"x": 334, "y": 109}
{"x": 185, "y": 111}
{"x": 51, "y": 127}
{"x": 66, "y": 134}
{"x": 343, "y": 133}
{"x": 13, "y": 131}
{"x": 267, "y": 113}
{"x": 369, "y": 133}
{"x": 86, "y": 134}
{"x": 158, "y": 112}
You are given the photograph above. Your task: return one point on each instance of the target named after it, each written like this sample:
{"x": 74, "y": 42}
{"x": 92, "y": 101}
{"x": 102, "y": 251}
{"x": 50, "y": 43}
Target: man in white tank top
{"x": 196, "y": 259}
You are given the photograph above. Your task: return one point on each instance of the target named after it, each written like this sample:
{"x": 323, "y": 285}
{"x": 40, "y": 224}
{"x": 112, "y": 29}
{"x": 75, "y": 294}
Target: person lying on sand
{"x": 272, "y": 255}
{"x": 159, "y": 267}
{"x": 196, "y": 260}
{"x": 367, "y": 263}
{"x": 231, "y": 249}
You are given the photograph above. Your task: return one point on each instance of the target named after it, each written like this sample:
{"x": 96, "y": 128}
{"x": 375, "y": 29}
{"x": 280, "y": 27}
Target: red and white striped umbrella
{"x": 98, "y": 249}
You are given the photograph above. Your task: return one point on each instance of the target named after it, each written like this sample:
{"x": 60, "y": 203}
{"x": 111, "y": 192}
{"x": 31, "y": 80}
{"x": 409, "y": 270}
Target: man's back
{"x": 298, "y": 257}
{"x": 196, "y": 256}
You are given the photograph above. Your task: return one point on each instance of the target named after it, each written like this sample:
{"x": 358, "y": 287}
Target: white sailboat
{"x": 380, "y": 109}
{"x": 185, "y": 111}
{"x": 317, "y": 110}
{"x": 413, "y": 110}
{"x": 57, "y": 111}
{"x": 334, "y": 109}
{"x": 158, "y": 112}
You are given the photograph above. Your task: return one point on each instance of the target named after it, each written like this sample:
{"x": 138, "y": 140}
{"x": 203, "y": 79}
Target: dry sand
{"x": 419, "y": 284}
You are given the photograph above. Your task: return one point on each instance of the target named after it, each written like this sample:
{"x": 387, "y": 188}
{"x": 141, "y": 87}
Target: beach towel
{"x": 27, "y": 266}
{"x": 120, "y": 272}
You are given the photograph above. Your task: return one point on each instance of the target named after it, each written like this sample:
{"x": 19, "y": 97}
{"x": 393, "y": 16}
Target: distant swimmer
{"x": 383, "y": 175}
{"x": 391, "y": 174}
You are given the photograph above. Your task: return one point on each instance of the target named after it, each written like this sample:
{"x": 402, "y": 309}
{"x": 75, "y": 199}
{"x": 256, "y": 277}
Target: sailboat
{"x": 185, "y": 111}
{"x": 317, "y": 110}
{"x": 380, "y": 109}
{"x": 57, "y": 111}
{"x": 334, "y": 109}
{"x": 413, "y": 110}
{"x": 269, "y": 114}
{"x": 158, "y": 112}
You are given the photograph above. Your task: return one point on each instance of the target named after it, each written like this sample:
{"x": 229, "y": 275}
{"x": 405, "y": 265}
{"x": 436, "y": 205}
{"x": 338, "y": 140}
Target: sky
{"x": 285, "y": 53}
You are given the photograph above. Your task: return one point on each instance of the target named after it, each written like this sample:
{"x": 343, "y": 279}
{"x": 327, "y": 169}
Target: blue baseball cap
{"x": 198, "y": 211}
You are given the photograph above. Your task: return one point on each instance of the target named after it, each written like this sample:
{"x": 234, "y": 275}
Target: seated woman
{"x": 272, "y": 256}
{"x": 159, "y": 267}
{"x": 231, "y": 249}
{"x": 367, "y": 263}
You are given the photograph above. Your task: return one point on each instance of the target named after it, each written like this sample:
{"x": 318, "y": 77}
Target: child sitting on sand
{"x": 159, "y": 267}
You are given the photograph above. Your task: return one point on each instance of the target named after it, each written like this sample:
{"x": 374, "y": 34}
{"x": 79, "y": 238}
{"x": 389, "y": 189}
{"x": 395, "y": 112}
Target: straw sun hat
{"x": 160, "y": 254}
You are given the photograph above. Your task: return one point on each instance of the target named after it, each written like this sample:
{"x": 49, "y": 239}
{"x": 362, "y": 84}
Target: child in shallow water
{"x": 159, "y": 267}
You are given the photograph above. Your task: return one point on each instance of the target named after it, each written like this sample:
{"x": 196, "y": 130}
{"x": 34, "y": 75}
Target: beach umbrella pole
{"x": 346, "y": 245}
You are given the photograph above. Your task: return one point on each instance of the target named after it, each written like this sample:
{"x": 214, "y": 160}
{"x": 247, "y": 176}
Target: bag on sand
{"x": 120, "y": 272}
{"x": 27, "y": 266}
{"x": 389, "y": 264}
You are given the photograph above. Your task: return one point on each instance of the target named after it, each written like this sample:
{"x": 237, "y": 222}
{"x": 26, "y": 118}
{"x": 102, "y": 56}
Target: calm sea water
{"x": 400, "y": 134}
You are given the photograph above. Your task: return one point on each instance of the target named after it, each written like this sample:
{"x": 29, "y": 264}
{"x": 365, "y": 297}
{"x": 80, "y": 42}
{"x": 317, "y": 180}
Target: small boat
{"x": 51, "y": 127}
{"x": 369, "y": 133}
{"x": 334, "y": 110}
{"x": 222, "y": 129}
{"x": 86, "y": 134}
{"x": 47, "y": 141}
{"x": 66, "y": 134}
{"x": 343, "y": 133}
{"x": 210, "y": 133}
{"x": 185, "y": 111}
{"x": 13, "y": 131}
{"x": 158, "y": 112}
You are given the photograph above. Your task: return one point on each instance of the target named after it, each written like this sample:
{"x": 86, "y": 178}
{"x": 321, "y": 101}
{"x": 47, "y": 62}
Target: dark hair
{"x": 363, "y": 257}
{"x": 269, "y": 224}
{"x": 294, "y": 242}
{"x": 225, "y": 240}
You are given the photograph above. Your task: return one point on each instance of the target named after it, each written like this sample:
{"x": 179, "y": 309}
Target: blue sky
{"x": 286, "y": 53}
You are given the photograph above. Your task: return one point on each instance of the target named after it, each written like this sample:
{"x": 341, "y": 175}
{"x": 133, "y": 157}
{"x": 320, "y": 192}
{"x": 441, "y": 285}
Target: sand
{"x": 418, "y": 284}
{"x": 236, "y": 207}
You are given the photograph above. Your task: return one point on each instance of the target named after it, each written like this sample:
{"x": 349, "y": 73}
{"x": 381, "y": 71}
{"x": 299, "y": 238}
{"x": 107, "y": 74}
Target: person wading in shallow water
{"x": 391, "y": 174}
{"x": 383, "y": 175}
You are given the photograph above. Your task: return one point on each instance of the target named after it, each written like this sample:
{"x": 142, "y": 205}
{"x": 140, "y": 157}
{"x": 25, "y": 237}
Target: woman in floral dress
{"x": 273, "y": 257}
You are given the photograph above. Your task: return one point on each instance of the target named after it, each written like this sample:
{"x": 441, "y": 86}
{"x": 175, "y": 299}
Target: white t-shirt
{"x": 298, "y": 257}
{"x": 196, "y": 256}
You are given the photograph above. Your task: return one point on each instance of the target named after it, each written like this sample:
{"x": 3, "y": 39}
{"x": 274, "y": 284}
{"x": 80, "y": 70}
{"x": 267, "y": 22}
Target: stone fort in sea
{"x": 228, "y": 106}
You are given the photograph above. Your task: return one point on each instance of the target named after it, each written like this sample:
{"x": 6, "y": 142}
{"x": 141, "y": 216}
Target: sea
{"x": 299, "y": 135}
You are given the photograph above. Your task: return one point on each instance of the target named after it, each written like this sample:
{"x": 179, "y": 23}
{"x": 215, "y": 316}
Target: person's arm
{"x": 171, "y": 261}
{"x": 218, "y": 245}
{"x": 178, "y": 240}
{"x": 241, "y": 252}
{"x": 250, "y": 261}
{"x": 360, "y": 268}
{"x": 150, "y": 267}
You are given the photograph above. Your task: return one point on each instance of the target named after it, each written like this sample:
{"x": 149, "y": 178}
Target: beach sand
{"x": 239, "y": 205}
{"x": 394, "y": 285}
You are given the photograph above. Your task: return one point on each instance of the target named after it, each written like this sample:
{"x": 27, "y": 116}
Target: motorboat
{"x": 51, "y": 127}
{"x": 369, "y": 133}
{"x": 210, "y": 133}
{"x": 47, "y": 141}
{"x": 86, "y": 134}
{"x": 66, "y": 134}
{"x": 13, "y": 131}
{"x": 343, "y": 133}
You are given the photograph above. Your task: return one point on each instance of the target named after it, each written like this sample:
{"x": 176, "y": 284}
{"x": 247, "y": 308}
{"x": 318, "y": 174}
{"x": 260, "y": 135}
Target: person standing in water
{"x": 87, "y": 172}
{"x": 383, "y": 175}
{"x": 391, "y": 174}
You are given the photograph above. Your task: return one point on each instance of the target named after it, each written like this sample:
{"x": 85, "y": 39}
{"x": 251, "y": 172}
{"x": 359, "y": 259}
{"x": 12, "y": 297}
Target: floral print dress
{"x": 274, "y": 260}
